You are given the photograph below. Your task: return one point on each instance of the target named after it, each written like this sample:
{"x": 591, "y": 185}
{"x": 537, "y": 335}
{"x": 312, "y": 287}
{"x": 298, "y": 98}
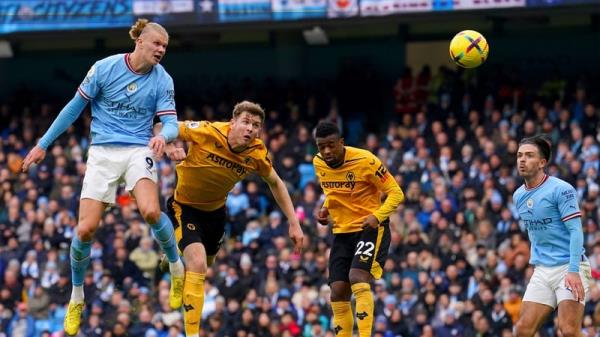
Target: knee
{"x": 339, "y": 297}
{"x": 196, "y": 264}
{"x": 359, "y": 276}
{"x": 523, "y": 330}
{"x": 151, "y": 214}
{"x": 569, "y": 330}
{"x": 85, "y": 231}
{"x": 340, "y": 293}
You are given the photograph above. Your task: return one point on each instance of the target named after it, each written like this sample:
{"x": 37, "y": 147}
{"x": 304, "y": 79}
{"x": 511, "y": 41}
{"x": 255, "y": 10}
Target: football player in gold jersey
{"x": 220, "y": 154}
{"x": 354, "y": 181}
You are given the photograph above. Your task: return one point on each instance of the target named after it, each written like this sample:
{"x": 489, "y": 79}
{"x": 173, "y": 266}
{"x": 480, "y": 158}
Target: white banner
{"x": 145, "y": 7}
{"x": 475, "y": 4}
{"x": 387, "y": 7}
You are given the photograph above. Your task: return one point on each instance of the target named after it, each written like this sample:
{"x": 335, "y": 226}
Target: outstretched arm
{"x": 282, "y": 197}
{"x": 66, "y": 117}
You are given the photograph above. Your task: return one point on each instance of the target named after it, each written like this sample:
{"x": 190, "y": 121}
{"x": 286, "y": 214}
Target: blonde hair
{"x": 249, "y": 107}
{"x": 142, "y": 25}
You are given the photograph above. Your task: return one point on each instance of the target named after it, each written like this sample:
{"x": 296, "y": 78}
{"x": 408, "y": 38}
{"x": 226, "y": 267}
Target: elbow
{"x": 398, "y": 196}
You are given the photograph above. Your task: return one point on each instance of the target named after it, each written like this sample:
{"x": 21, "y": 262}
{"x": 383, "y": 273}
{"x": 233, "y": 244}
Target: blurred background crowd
{"x": 458, "y": 260}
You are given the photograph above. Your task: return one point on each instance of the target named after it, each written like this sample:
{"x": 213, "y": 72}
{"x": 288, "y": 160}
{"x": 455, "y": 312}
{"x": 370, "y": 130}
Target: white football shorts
{"x": 109, "y": 165}
{"x": 547, "y": 284}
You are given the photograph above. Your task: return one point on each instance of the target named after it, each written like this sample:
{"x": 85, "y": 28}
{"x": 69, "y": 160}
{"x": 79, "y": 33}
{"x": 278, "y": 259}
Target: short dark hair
{"x": 326, "y": 129}
{"x": 542, "y": 142}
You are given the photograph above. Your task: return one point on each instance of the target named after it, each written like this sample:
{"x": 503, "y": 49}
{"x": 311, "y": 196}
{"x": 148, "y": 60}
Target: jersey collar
{"x": 131, "y": 68}
{"x": 529, "y": 188}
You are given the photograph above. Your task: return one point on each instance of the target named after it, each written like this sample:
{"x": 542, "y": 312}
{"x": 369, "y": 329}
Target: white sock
{"x": 176, "y": 268}
{"x": 194, "y": 335}
{"x": 77, "y": 294}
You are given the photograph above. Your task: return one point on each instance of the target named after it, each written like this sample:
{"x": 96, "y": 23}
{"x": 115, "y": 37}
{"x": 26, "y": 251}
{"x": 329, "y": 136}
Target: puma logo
{"x": 363, "y": 258}
{"x": 337, "y": 329}
{"x": 322, "y": 174}
{"x": 188, "y": 307}
{"x": 362, "y": 315}
{"x": 372, "y": 162}
{"x": 218, "y": 146}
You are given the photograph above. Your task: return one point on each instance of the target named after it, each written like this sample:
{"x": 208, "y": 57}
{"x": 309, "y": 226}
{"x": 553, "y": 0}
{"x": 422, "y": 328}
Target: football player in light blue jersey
{"x": 126, "y": 91}
{"x": 549, "y": 209}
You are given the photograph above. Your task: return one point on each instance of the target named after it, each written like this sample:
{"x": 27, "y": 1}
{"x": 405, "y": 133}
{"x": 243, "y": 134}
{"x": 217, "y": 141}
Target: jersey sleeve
{"x": 385, "y": 182}
{"x": 264, "y": 163}
{"x": 566, "y": 200}
{"x": 165, "y": 104}
{"x": 191, "y": 131}
{"x": 90, "y": 86}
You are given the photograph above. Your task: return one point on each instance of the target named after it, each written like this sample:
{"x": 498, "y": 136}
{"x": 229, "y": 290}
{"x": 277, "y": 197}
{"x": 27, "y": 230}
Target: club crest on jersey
{"x": 350, "y": 176}
{"x": 530, "y": 203}
{"x": 132, "y": 87}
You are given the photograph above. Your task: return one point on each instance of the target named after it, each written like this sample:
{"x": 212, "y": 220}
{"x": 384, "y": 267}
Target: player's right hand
{"x": 175, "y": 153}
{"x": 322, "y": 216}
{"x": 35, "y": 156}
{"x": 574, "y": 284}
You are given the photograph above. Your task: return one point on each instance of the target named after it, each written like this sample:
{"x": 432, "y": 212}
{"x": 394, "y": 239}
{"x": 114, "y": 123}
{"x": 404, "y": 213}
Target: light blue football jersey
{"x": 125, "y": 102}
{"x": 543, "y": 211}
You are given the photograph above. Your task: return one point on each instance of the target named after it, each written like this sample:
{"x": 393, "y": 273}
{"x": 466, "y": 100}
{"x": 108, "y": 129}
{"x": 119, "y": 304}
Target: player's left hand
{"x": 157, "y": 144}
{"x": 371, "y": 221}
{"x": 574, "y": 284}
{"x": 296, "y": 236}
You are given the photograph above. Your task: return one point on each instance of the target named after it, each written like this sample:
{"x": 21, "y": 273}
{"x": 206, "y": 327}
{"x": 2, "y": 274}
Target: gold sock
{"x": 193, "y": 300}
{"x": 343, "y": 319}
{"x": 364, "y": 308}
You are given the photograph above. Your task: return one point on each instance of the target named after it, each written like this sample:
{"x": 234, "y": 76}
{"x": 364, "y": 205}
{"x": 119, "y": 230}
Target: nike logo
{"x": 372, "y": 162}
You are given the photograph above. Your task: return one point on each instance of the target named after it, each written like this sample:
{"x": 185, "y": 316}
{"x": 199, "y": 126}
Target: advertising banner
{"x": 244, "y": 10}
{"x": 298, "y": 9}
{"x": 342, "y": 8}
{"x": 38, "y": 15}
{"x": 161, "y": 7}
{"x": 387, "y": 7}
{"x": 538, "y": 3}
{"x": 177, "y": 12}
{"x": 481, "y": 4}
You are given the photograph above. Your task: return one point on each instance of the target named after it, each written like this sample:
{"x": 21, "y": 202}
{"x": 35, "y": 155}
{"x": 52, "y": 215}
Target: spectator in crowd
{"x": 458, "y": 219}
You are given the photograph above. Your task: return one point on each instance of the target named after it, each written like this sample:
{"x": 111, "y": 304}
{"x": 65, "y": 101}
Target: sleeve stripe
{"x": 572, "y": 216}
{"x": 166, "y": 112}
{"x": 83, "y": 94}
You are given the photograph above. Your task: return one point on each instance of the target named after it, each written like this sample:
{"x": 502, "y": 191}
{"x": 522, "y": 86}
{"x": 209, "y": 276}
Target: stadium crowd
{"x": 458, "y": 260}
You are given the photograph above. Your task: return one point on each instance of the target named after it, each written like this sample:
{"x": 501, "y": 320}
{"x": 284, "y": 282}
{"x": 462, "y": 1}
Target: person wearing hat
{"x": 353, "y": 181}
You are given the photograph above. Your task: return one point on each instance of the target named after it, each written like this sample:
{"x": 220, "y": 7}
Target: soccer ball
{"x": 469, "y": 49}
